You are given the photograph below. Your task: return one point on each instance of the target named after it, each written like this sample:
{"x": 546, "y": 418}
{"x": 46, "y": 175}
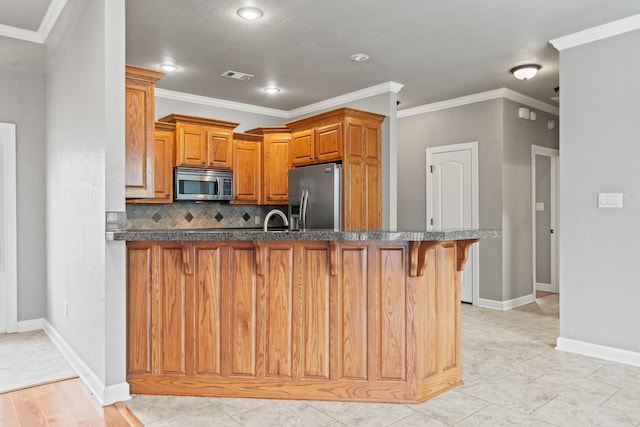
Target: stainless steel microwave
{"x": 203, "y": 184}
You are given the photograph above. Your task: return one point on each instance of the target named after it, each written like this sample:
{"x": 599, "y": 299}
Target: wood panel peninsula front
{"x": 358, "y": 316}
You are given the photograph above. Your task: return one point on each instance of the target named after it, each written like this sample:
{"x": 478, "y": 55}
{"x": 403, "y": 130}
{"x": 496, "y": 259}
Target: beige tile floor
{"x": 512, "y": 375}
{"x": 30, "y": 358}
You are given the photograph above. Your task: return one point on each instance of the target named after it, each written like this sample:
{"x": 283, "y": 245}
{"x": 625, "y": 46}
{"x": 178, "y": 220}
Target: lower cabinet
{"x": 292, "y": 320}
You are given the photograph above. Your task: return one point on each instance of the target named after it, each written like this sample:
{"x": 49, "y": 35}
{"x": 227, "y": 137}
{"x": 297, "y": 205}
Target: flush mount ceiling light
{"x": 249, "y": 13}
{"x": 272, "y": 90}
{"x": 525, "y": 72}
{"x": 359, "y": 57}
{"x": 168, "y": 67}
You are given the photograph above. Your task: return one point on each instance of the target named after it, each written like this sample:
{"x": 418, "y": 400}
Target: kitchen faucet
{"x": 275, "y": 212}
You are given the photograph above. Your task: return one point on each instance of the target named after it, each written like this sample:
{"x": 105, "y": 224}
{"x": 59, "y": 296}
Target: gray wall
{"x": 504, "y": 157}
{"x": 84, "y": 131}
{"x": 543, "y": 219}
{"x": 247, "y": 120}
{"x": 600, "y": 150}
{"x": 517, "y": 245}
{"x": 22, "y": 103}
{"x": 480, "y": 122}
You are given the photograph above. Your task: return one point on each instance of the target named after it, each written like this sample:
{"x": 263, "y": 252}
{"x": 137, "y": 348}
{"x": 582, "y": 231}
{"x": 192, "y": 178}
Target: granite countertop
{"x": 213, "y": 234}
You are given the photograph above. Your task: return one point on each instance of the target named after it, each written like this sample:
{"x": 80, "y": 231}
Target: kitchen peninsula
{"x": 330, "y": 315}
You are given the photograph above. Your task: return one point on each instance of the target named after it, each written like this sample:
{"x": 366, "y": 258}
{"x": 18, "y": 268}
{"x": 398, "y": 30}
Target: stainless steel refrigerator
{"x": 315, "y": 198}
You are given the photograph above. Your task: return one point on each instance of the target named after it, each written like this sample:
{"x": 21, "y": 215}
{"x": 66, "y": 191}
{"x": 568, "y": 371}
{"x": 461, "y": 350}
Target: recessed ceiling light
{"x": 525, "y": 72}
{"x": 359, "y": 57}
{"x": 271, "y": 90}
{"x": 249, "y": 13}
{"x": 168, "y": 67}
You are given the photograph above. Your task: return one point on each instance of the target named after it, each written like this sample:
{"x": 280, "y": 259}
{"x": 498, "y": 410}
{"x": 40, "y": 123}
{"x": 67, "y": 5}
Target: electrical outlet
{"x": 256, "y": 220}
{"x": 66, "y": 309}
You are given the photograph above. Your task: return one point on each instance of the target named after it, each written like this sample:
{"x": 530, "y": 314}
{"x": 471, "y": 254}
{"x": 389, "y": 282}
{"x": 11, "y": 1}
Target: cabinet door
{"x": 139, "y": 122}
{"x": 361, "y": 177}
{"x": 246, "y": 172}
{"x": 192, "y": 145}
{"x": 208, "y": 266}
{"x": 219, "y": 148}
{"x": 173, "y": 307}
{"x": 302, "y": 148}
{"x": 329, "y": 142}
{"x": 163, "y": 166}
{"x": 140, "y": 310}
{"x": 243, "y": 309}
{"x": 275, "y": 185}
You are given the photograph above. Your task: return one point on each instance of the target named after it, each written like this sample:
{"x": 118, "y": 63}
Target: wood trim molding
{"x": 141, "y": 73}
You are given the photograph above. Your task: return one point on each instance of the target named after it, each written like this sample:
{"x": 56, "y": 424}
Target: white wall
{"x": 600, "y": 140}
{"x": 22, "y": 103}
{"x": 84, "y": 132}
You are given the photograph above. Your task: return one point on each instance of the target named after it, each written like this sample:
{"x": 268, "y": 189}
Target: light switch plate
{"x": 539, "y": 206}
{"x": 610, "y": 200}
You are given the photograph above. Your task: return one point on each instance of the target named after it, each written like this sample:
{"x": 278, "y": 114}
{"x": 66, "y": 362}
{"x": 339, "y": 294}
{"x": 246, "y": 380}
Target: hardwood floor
{"x": 60, "y": 403}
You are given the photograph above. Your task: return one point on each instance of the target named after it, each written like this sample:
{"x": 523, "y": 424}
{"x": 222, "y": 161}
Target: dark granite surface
{"x": 213, "y": 234}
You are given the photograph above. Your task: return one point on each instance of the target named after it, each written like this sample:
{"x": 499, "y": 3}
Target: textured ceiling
{"x": 438, "y": 49}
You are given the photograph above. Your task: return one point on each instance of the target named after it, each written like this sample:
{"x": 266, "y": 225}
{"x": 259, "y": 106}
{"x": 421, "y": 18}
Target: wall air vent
{"x": 236, "y": 75}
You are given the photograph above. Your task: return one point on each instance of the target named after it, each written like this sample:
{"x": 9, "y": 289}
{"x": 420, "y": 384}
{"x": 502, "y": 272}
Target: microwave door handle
{"x": 218, "y": 190}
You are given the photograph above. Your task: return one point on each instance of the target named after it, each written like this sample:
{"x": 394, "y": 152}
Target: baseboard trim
{"x": 599, "y": 351}
{"x": 506, "y": 305}
{"x": 104, "y": 395}
{"x": 30, "y": 325}
{"x": 547, "y": 287}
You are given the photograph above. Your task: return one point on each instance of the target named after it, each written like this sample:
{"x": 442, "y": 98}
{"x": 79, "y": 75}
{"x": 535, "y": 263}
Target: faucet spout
{"x": 272, "y": 213}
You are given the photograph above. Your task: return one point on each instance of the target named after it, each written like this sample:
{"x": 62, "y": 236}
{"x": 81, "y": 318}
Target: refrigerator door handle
{"x": 304, "y": 200}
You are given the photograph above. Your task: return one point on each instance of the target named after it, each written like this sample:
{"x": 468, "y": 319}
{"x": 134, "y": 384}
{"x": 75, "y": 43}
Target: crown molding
{"x": 20, "y": 33}
{"x": 348, "y": 97}
{"x": 221, "y": 103}
{"x": 50, "y": 18}
{"x": 40, "y": 36}
{"x": 249, "y": 108}
{"x": 600, "y": 32}
{"x": 529, "y": 101}
{"x": 480, "y": 97}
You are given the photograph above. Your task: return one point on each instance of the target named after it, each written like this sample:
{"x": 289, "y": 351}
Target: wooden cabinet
{"x": 359, "y": 320}
{"x": 276, "y": 141}
{"x": 317, "y": 145}
{"x": 246, "y": 168}
{"x": 202, "y": 142}
{"x": 163, "y": 154}
{"x": 139, "y": 129}
{"x": 362, "y": 205}
{"x": 354, "y": 138}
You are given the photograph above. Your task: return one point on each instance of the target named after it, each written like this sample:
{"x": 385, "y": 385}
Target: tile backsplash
{"x": 199, "y": 215}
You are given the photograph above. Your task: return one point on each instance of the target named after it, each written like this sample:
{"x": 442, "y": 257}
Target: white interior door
{"x": 452, "y": 200}
{"x": 8, "y": 235}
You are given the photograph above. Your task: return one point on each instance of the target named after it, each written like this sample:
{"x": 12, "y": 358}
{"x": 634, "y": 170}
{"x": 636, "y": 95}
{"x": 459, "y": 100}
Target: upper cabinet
{"x": 315, "y": 142}
{"x": 276, "y": 141}
{"x": 163, "y": 154}
{"x": 202, "y": 142}
{"x": 246, "y": 168}
{"x": 353, "y": 137}
{"x": 139, "y": 131}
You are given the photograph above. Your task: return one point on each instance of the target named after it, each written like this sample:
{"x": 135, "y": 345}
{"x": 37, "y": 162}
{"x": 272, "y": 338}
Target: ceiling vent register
{"x": 237, "y": 75}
